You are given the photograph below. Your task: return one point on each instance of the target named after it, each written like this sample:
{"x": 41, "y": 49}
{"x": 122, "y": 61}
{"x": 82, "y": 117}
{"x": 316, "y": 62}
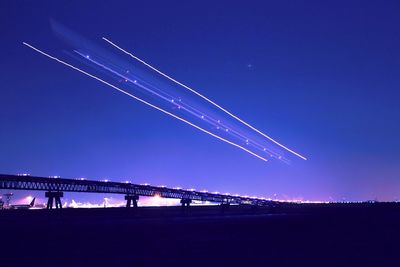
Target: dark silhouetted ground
{"x": 289, "y": 235}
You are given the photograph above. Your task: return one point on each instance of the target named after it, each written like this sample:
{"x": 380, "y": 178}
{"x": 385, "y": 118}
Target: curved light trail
{"x": 141, "y": 100}
{"x": 177, "y": 102}
{"x": 204, "y": 97}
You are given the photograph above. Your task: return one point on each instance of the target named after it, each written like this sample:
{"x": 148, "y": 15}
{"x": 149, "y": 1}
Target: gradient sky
{"x": 322, "y": 77}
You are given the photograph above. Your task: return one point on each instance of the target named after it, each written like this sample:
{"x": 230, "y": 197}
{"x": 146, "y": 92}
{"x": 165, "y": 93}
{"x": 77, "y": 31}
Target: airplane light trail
{"x": 141, "y": 100}
{"x": 205, "y": 98}
{"x": 179, "y": 103}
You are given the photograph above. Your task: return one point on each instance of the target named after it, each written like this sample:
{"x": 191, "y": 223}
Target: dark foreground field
{"x": 359, "y": 235}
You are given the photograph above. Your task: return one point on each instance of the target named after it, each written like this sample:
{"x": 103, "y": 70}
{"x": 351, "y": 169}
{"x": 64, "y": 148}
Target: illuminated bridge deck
{"x": 17, "y": 182}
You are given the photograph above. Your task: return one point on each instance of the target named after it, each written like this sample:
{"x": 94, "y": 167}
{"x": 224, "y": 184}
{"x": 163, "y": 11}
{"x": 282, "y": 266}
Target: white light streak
{"x": 204, "y": 97}
{"x": 141, "y": 100}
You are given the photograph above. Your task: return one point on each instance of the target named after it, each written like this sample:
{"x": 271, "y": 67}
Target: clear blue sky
{"x": 321, "y": 76}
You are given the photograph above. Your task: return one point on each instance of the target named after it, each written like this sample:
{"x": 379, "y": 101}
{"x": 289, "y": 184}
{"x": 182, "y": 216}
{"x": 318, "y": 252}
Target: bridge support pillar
{"x": 224, "y": 206}
{"x": 54, "y": 197}
{"x": 131, "y": 200}
{"x": 255, "y": 208}
{"x": 185, "y": 202}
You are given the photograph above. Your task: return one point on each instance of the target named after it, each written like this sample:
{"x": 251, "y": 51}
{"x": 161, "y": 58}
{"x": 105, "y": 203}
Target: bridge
{"x": 55, "y": 187}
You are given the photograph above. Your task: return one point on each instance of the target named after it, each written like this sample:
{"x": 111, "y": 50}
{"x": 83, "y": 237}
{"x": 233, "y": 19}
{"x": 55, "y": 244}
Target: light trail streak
{"x": 167, "y": 98}
{"x": 204, "y": 97}
{"x": 171, "y": 100}
{"x": 141, "y": 100}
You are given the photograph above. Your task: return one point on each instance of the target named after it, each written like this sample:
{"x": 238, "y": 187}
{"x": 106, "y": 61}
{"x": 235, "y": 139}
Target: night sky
{"x": 322, "y": 77}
